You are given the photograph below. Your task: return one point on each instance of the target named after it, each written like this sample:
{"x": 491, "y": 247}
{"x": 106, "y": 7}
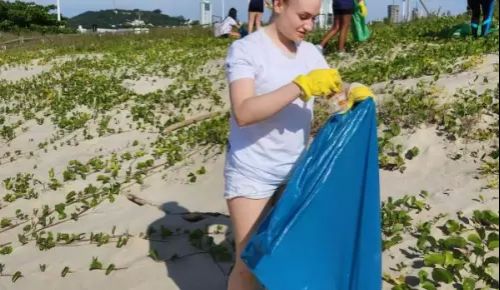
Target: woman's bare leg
{"x": 333, "y": 31}
{"x": 245, "y": 214}
{"x": 345, "y": 27}
{"x": 251, "y": 21}
{"x": 234, "y": 34}
{"x": 258, "y": 21}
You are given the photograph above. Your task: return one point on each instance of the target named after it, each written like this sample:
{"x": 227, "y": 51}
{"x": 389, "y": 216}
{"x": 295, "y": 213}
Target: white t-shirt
{"x": 267, "y": 151}
{"x": 225, "y": 27}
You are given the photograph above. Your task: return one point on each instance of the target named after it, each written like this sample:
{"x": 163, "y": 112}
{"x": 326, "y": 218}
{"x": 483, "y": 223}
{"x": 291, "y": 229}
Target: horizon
{"x": 189, "y": 9}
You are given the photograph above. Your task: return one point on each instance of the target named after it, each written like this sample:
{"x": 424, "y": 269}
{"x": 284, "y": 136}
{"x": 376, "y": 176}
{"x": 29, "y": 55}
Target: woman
{"x": 273, "y": 76}
{"x": 255, "y": 12}
{"x": 229, "y": 27}
{"x": 342, "y": 18}
{"x": 488, "y": 9}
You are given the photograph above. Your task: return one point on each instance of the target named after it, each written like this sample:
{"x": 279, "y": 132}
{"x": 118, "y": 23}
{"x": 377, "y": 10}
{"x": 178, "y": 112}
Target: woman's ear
{"x": 278, "y": 6}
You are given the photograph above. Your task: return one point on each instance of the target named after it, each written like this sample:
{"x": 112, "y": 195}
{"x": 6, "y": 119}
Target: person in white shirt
{"x": 273, "y": 76}
{"x": 229, "y": 27}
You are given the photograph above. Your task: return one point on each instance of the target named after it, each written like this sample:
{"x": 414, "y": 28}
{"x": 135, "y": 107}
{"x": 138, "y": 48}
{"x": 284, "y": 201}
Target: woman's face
{"x": 295, "y": 18}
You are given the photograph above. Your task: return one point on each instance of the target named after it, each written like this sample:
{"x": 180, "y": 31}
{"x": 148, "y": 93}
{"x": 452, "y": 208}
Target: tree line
{"x": 28, "y": 16}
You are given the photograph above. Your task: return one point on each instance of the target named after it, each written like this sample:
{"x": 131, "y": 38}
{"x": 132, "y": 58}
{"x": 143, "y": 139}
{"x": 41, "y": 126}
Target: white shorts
{"x": 239, "y": 185}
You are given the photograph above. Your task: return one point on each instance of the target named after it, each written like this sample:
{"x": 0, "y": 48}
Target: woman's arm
{"x": 249, "y": 109}
{"x": 235, "y": 23}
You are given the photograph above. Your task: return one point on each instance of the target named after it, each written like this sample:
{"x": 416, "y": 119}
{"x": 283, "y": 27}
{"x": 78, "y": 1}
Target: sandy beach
{"x": 151, "y": 225}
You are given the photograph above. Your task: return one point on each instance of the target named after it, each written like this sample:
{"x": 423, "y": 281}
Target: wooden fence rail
{"x": 17, "y": 41}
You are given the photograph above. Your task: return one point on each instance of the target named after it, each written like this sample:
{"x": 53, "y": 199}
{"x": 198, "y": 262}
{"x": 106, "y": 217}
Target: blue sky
{"x": 190, "y": 8}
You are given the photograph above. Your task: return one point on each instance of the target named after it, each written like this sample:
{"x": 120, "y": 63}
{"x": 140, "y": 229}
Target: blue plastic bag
{"x": 325, "y": 232}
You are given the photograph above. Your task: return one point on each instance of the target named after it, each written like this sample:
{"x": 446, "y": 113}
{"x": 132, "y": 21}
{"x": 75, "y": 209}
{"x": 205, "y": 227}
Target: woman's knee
{"x": 335, "y": 27}
{"x": 242, "y": 272}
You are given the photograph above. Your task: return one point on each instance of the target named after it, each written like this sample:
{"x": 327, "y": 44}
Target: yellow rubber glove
{"x": 321, "y": 83}
{"x": 357, "y": 93}
{"x": 363, "y": 9}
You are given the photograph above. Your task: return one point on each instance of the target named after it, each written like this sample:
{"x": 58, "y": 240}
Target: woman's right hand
{"x": 363, "y": 9}
{"x": 320, "y": 82}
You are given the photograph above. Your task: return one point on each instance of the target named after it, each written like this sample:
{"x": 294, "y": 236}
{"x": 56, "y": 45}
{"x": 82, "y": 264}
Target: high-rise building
{"x": 325, "y": 18}
{"x": 408, "y": 10}
{"x": 393, "y": 13}
{"x": 415, "y": 14}
{"x": 206, "y": 12}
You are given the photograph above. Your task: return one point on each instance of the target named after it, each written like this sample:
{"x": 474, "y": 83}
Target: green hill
{"x": 122, "y": 18}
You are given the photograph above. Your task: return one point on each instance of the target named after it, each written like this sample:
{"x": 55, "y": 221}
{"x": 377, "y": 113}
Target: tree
{"x": 27, "y": 15}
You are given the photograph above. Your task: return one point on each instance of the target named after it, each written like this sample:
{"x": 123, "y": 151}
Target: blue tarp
{"x": 325, "y": 232}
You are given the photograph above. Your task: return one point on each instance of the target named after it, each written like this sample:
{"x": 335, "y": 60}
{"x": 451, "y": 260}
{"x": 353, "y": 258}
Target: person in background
{"x": 230, "y": 27}
{"x": 488, "y": 9}
{"x": 342, "y": 18}
{"x": 255, "y": 12}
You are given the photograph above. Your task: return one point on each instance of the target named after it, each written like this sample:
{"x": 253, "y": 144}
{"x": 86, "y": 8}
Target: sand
{"x": 170, "y": 196}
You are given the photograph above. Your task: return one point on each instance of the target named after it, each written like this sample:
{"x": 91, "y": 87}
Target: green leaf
{"x": 469, "y": 284}
{"x": 110, "y": 269}
{"x": 442, "y": 275}
{"x": 475, "y": 239}
{"x": 479, "y": 251}
{"x": 423, "y": 275}
{"x": 452, "y": 226}
{"x": 434, "y": 259}
{"x": 153, "y": 254}
{"x": 481, "y": 232}
{"x": 16, "y": 276}
{"x": 6, "y": 250}
{"x": 412, "y": 153}
{"x": 95, "y": 265}
{"x": 493, "y": 241}
{"x": 52, "y": 173}
{"x": 387, "y": 244}
{"x": 491, "y": 260}
{"x": 455, "y": 242}
{"x": 486, "y": 217}
{"x": 428, "y": 285}
{"x": 65, "y": 272}
{"x": 493, "y": 245}
{"x": 443, "y": 259}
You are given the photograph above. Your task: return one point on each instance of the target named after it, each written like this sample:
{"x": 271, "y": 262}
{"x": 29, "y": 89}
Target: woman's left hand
{"x": 320, "y": 83}
{"x": 356, "y": 93}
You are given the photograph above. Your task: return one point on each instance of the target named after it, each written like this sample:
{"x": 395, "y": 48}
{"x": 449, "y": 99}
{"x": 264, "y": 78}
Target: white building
{"x": 206, "y": 12}
{"x": 81, "y": 29}
{"x": 326, "y": 14}
{"x": 406, "y": 10}
{"x": 137, "y": 23}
